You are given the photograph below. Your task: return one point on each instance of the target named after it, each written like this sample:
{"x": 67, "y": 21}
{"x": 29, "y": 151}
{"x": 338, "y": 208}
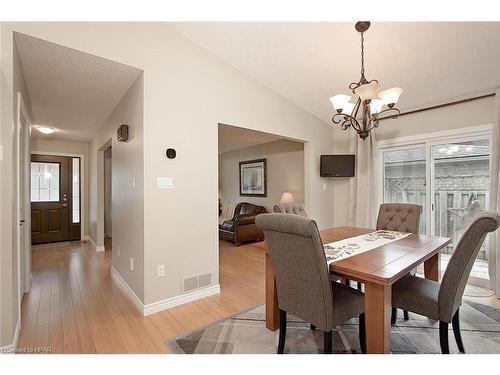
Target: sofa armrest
{"x": 245, "y": 219}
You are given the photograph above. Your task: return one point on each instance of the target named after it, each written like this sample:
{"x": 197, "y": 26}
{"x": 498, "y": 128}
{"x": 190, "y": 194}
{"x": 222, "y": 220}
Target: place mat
{"x": 349, "y": 247}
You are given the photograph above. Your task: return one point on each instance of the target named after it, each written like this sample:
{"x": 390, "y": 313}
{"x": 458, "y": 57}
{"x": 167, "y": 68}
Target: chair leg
{"x": 394, "y": 315}
{"x": 328, "y": 338}
{"x": 347, "y": 282}
{"x": 281, "y": 342}
{"x": 362, "y": 333}
{"x": 313, "y": 327}
{"x": 443, "y": 337}
{"x": 455, "y": 322}
{"x": 406, "y": 315}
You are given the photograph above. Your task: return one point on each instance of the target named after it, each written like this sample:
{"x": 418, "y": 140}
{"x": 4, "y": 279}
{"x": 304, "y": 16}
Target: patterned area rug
{"x": 246, "y": 333}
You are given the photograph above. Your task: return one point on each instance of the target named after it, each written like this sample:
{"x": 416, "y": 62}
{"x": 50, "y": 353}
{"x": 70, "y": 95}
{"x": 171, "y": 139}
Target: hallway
{"x": 75, "y": 307}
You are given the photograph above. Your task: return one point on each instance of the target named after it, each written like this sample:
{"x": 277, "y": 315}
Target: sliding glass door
{"x": 404, "y": 173}
{"x": 450, "y": 178}
{"x": 460, "y": 182}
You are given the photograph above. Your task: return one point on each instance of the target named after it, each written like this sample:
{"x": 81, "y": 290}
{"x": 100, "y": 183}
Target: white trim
{"x": 82, "y": 183}
{"x": 11, "y": 348}
{"x": 444, "y": 135}
{"x": 115, "y": 275}
{"x": 98, "y": 249}
{"x": 180, "y": 300}
{"x": 165, "y": 304}
{"x": 27, "y": 283}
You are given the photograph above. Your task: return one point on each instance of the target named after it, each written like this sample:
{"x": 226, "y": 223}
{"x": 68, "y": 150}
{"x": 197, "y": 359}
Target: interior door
{"x": 51, "y": 198}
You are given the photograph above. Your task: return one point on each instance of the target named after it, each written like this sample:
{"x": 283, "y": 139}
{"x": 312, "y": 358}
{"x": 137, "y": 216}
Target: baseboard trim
{"x": 11, "y": 348}
{"x": 165, "y": 304}
{"x": 115, "y": 275}
{"x": 99, "y": 248}
{"x": 168, "y": 303}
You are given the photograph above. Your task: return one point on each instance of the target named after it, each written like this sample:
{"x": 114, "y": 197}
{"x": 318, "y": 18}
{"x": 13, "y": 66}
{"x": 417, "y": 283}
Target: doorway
{"x": 55, "y": 199}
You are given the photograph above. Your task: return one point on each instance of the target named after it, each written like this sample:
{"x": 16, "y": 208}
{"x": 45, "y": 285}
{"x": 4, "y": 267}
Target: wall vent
{"x": 204, "y": 280}
{"x": 190, "y": 283}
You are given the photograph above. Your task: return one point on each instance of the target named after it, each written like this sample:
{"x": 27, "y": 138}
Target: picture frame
{"x": 253, "y": 178}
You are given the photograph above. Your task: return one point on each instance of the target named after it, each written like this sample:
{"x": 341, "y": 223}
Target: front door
{"x": 51, "y": 198}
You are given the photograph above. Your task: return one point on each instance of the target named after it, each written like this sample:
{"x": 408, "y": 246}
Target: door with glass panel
{"x": 55, "y": 213}
{"x": 460, "y": 189}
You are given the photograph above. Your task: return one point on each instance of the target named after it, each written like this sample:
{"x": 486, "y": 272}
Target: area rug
{"x": 246, "y": 333}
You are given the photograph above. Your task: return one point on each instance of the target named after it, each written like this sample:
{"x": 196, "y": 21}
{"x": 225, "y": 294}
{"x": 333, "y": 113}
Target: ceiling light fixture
{"x": 45, "y": 129}
{"x": 367, "y": 92}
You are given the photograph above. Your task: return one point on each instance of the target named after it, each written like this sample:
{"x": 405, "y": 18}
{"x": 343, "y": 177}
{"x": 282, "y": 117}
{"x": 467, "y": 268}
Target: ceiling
{"x": 70, "y": 90}
{"x": 309, "y": 62}
{"x": 233, "y": 138}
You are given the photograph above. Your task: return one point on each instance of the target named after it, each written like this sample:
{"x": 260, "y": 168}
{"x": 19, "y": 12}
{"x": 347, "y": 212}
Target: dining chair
{"x": 399, "y": 217}
{"x": 290, "y": 208}
{"x": 441, "y": 301}
{"x": 303, "y": 283}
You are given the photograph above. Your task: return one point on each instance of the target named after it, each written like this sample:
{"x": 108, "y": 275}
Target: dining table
{"x": 378, "y": 269}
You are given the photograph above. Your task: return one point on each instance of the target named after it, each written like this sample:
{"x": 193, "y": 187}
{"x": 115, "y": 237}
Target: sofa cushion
{"x": 228, "y": 225}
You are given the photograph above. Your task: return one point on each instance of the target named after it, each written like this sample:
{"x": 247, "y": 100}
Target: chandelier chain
{"x": 362, "y": 54}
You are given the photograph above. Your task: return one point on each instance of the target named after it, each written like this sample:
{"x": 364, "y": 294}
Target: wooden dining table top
{"x": 385, "y": 264}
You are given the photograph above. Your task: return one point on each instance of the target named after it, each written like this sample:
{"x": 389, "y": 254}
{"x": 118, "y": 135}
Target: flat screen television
{"x": 337, "y": 166}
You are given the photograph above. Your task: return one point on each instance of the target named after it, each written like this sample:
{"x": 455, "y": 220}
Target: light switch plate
{"x": 165, "y": 182}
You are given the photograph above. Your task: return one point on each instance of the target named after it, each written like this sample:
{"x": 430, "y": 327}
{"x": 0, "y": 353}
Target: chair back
{"x": 290, "y": 208}
{"x": 460, "y": 265}
{"x": 400, "y": 217}
{"x": 302, "y": 276}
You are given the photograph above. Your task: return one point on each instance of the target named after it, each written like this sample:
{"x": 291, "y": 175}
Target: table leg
{"x": 378, "y": 318}
{"x": 431, "y": 268}
{"x": 272, "y": 310}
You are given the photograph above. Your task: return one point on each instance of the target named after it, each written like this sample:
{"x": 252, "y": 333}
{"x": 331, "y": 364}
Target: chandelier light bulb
{"x": 390, "y": 96}
{"x": 339, "y": 101}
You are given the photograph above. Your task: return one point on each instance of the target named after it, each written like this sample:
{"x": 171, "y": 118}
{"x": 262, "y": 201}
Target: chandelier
{"x": 371, "y": 102}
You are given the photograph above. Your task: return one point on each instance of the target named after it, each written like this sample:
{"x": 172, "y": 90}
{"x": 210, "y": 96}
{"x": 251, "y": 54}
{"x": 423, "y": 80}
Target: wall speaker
{"x": 171, "y": 153}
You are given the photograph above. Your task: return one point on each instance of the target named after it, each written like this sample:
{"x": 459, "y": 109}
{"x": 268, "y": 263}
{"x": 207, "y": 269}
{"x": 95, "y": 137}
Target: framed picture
{"x": 253, "y": 178}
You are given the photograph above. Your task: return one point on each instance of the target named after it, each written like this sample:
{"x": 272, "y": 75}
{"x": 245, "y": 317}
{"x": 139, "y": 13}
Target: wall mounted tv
{"x": 337, "y": 166}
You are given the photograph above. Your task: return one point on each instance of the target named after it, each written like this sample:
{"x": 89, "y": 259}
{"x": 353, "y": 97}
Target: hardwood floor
{"x": 75, "y": 307}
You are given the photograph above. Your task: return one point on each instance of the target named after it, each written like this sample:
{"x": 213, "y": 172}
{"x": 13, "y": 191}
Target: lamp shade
{"x": 367, "y": 91}
{"x": 348, "y": 108}
{"x": 286, "y": 197}
{"x": 339, "y": 101}
{"x": 390, "y": 96}
{"x": 376, "y": 105}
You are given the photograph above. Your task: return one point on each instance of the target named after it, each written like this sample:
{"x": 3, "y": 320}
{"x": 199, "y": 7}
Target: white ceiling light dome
{"x": 45, "y": 129}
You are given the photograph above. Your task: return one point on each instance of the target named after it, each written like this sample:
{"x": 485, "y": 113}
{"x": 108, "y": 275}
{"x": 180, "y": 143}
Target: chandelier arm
{"x": 356, "y": 107}
{"x": 346, "y": 120}
{"x": 393, "y": 116}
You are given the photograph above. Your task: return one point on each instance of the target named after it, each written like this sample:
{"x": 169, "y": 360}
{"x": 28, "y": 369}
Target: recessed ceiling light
{"x": 45, "y": 129}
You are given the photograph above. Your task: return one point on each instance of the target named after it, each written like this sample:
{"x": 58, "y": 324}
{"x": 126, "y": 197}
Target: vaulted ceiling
{"x": 70, "y": 90}
{"x": 309, "y": 62}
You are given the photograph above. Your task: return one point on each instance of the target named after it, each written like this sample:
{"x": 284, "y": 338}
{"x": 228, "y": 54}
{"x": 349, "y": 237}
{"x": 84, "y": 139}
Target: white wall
{"x": 127, "y": 201}
{"x": 476, "y": 112}
{"x": 107, "y": 193}
{"x": 187, "y": 93}
{"x": 66, "y": 147}
{"x": 285, "y": 172}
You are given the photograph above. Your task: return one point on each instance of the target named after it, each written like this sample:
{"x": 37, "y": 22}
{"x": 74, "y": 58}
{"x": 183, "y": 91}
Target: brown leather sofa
{"x": 241, "y": 228}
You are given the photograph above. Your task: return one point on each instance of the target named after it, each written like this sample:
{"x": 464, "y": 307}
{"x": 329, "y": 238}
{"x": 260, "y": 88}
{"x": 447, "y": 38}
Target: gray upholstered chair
{"x": 400, "y": 217}
{"x": 290, "y": 208}
{"x": 303, "y": 279}
{"x": 441, "y": 301}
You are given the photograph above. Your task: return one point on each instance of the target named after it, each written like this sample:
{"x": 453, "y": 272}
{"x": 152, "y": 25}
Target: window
{"x": 76, "y": 189}
{"x": 45, "y": 182}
